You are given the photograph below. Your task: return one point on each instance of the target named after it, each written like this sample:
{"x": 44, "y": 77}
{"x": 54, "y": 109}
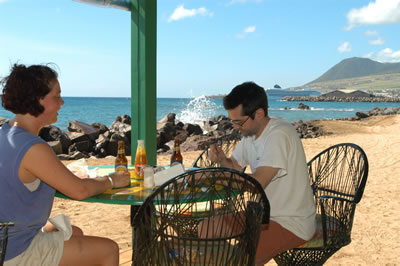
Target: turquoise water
{"x": 105, "y": 110}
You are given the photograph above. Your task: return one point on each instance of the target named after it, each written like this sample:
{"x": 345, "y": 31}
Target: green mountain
{"x": 359, "y": 74}
{"x": 357, "y": 67}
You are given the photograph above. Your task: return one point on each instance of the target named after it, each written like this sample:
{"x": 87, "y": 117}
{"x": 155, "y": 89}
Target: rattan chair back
{"x": 3, "y": 239}
{"x": 227, "y": 143}
{"x": 183, "y": 221}
{"x": 338, "y": 176}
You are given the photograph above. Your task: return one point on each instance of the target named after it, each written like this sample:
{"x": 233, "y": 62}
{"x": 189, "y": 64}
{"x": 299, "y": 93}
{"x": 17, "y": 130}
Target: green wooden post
{"x": 143, "y": 76}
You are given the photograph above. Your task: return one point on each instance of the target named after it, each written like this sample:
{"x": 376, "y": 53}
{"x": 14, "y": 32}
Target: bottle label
{"x": 121, "y": 167}
{"x": 139, "y": 170}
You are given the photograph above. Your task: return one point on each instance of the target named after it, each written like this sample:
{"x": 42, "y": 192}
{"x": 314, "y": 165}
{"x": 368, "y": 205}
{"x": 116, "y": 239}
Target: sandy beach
{"x": 375, "y": 237}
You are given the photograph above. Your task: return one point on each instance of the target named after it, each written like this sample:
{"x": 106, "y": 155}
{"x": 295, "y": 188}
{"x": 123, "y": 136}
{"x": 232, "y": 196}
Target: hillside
{"x": 359, "y": 74}
{"x": 357, "y": 67}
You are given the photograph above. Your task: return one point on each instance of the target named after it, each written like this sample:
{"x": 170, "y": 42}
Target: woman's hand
{"x": 121, "y": 179}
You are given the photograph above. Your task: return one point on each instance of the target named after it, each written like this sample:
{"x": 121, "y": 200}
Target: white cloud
{"x": 375, "y": 13}
{"x": 371, "y": 32}
{"x": 378, "y": 41}
{"x": 249, "y": 29}
{"x": 233, "y": 2}
{"x": 180, "y": 13}
{"x": 369, "y": 55}
{"x": 386, "y": 55}
{"x": 344, "y": 47}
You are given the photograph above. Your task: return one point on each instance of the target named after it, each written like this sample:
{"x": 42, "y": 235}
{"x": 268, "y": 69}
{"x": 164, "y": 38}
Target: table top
{"x": 135, "y": 194}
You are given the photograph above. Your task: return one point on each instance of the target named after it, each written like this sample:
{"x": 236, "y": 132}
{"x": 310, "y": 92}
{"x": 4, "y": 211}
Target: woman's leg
{"x": 90, "y": 250}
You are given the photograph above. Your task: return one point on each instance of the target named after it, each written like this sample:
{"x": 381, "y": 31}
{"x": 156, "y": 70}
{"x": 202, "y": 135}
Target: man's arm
{"x": 217, "y": 155}
{"x": 263, "y": 174}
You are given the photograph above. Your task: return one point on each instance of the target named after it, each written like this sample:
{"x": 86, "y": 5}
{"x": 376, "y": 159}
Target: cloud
{"x": 371, "y": 32}
{"x": 250, "y": 29}
{"x": 386, "y": 55}
{"x": 378, "y": 41}
{"x": 246, "y": 31}
{"x": 375, "y": 13}
{"x": 344, "y": 47}
{"x": 234, "y": 2}
{"x": 180, "y": 13}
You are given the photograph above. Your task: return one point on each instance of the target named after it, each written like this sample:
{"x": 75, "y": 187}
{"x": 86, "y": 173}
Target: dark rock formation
{"x": 340, "y": 99}
{"x": 83, "y": 140}
{"x": 302, "y": 106}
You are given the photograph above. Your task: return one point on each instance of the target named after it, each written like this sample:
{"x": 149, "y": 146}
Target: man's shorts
{"x": 46, "y": 249}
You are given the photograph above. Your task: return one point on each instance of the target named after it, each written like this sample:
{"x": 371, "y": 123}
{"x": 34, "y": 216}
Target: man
{"x": 276, "y": 157}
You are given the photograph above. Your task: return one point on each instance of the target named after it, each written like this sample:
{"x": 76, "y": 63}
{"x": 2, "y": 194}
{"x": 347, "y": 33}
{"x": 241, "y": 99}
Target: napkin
{"x": 63, "y": 224}
{"x": 164, "y": 175}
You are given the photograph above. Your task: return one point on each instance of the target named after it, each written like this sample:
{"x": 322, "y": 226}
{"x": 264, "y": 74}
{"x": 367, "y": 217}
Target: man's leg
{"x": 275, "y": 239}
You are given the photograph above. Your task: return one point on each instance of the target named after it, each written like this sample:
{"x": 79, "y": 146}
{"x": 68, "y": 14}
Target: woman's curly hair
{"x": 25, "y": 86}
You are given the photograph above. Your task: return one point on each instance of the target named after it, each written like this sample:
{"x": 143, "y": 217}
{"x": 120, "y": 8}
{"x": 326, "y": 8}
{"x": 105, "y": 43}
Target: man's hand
{"x": 216, "y": 154}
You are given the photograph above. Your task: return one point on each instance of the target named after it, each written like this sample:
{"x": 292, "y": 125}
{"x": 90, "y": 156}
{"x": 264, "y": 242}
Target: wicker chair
{"x": 338, "y": 176}
{"x": 194, "y": 197}
{"x": 3, "y": 240}
{"x": 228, "y": 144}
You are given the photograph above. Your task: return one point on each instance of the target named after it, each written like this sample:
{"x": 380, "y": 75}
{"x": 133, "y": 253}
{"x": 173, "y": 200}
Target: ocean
{"x": 105, "y": 110}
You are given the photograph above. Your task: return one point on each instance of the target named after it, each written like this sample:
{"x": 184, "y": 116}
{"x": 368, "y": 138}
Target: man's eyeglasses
{"x": 241, "y": 123}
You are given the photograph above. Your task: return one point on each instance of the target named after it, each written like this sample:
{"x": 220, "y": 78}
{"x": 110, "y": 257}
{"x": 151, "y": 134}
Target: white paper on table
{"x": 165, "y": 175}
{"x": 63, "y": 224}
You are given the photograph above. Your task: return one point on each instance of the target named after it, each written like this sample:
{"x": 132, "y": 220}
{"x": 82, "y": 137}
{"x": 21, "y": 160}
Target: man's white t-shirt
{"x": 289, "y": 192}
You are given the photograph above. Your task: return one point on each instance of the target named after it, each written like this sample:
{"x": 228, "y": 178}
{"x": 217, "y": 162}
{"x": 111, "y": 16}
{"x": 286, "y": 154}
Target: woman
{"x": 30, "y": 173}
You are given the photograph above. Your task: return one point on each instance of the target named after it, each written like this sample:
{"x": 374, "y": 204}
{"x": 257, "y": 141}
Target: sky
{"x": 204, "y": 47}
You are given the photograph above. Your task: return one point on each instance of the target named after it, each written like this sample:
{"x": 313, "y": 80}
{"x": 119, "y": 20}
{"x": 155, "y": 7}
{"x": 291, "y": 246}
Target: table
{"x": 134, "y": 195}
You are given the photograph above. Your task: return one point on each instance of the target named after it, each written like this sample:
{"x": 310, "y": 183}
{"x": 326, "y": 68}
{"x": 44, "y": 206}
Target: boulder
{"x": 78, "y": 126}
{"x": 56, "y": 146}
{"x": 302, "y": 106}
{"x": 192, "y": 129}
{"x": 3, "y": 120}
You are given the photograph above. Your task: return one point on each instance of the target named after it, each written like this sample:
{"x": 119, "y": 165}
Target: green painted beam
{"x": 143, "y": 76}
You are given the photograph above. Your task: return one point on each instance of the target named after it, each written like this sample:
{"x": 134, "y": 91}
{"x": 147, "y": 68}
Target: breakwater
{"x": 341, "y": 99}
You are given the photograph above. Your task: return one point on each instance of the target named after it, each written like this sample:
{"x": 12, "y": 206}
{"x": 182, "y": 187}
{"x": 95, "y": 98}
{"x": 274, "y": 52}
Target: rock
{"x": 193, "y": 129}
{"x": 53, "y": 133}
{"x": 78, "y": 126}
{"x": 82, "y": 146}
{"x": 100, "y": 127}
{"x": 168, "y": 118}
{"x": 302, "y": 106}
{"x": 361, "y": 115}
{"x": 56, "y": 146}
{"x": 3, "y": 120}
{"x": 77, "y": 136}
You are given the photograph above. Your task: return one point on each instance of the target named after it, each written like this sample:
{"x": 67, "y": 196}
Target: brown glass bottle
{"x": 176, "y": 154}
{"x": 121, "y": 162}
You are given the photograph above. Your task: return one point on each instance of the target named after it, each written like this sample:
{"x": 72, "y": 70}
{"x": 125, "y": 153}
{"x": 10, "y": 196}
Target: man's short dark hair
{"x": 250, "y": 96}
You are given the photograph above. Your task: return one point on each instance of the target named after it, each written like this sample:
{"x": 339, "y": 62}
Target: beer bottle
{"x": 176, "y": 155}
{"x": 140, "y": 159}
{"x": 121, "y": 163}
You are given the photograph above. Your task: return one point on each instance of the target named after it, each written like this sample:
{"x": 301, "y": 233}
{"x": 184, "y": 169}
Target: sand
{"x": 375, "y": 237}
